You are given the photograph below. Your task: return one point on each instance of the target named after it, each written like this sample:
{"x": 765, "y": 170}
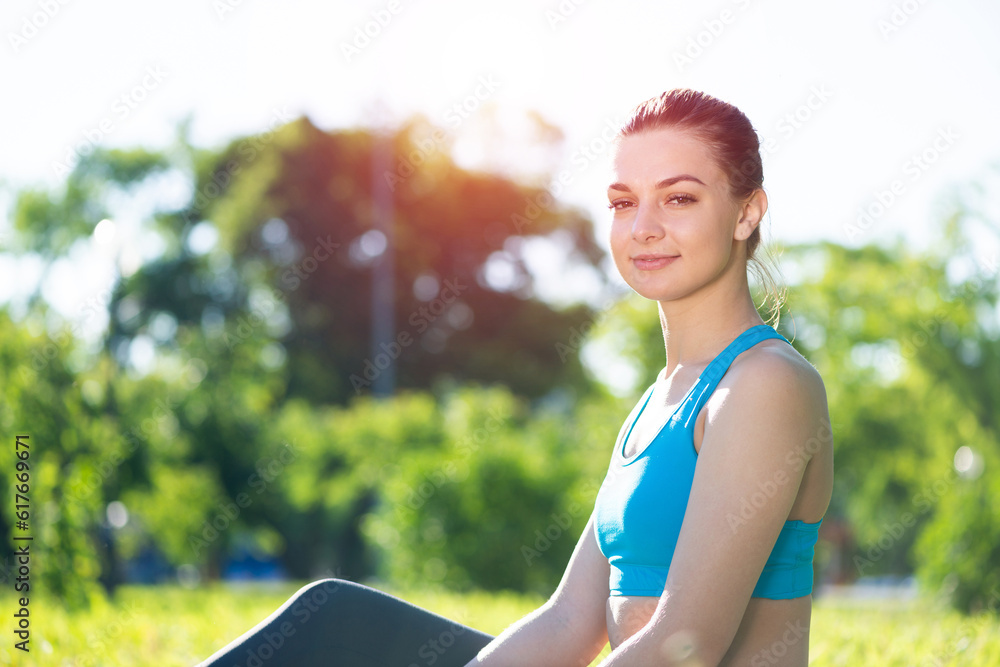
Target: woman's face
{"x": 675, "y": 229}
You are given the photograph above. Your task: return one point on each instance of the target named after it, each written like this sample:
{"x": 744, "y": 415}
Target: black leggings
{"x": 335, "y": 622}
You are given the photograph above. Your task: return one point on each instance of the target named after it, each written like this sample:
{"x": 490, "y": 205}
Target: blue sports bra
{"x": 642, "y": 501}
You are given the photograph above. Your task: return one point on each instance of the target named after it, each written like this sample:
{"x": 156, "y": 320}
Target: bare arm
{"x": 754, "y": 439}
{"x": 570, "y": 629}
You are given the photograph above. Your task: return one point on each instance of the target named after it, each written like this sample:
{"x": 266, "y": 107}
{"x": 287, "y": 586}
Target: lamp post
{"x": 383, "y": 269}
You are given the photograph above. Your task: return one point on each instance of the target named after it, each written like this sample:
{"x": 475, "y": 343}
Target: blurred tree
{"x": 498, "y": 502}
{"x": 68, "y": 439}
{"x": 262, "y": 285}
{"x": 50, "y": 222}
{"x": 908, "y": 343}
{"x": 293, "y": 213}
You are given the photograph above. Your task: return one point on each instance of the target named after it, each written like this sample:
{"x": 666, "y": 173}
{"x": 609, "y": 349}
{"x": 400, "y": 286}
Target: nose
{"x": 645, "y": 225}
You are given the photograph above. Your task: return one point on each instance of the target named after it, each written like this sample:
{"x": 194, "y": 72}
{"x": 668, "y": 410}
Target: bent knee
{"x": 322, "y": 588}
{"x": 336, "y": 595}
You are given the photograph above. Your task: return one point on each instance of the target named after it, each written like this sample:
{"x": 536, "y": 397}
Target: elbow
{"x": 683, "y": 647}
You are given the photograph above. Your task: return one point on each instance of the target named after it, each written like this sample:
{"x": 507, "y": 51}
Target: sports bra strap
{"x": 712, "y": 375}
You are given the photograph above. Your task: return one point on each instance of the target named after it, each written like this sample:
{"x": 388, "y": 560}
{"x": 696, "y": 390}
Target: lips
{"x": 653, "y": 262}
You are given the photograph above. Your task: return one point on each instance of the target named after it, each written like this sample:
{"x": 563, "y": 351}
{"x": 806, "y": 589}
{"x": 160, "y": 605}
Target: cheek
{"x": 708, "y": 231}
{"x": 619, "y": 240}
{"x": 618, "y": 237}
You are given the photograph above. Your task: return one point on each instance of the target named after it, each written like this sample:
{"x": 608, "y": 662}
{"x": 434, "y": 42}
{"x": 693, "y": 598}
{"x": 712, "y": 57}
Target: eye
{"x": 619, "y": 204}
{"x": 681, "y": 199}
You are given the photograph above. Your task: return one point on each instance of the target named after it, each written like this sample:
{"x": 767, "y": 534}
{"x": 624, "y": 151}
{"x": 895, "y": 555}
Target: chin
{"x": 655, "y": 292}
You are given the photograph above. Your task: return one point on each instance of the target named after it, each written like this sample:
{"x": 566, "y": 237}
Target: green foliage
{"x": 66, "y": 436}
{"x": 489, "y": 508}
{"x": 50, "y": 222}
{"x": 887, "y": 632}
{"x": 630, "y": 329}
{"x": 910, "y": 355}
{"x": 317, "y": 189}
{"x": 338, "y": 458}
{"x": 958, "y": 553}
{"x": 183, "y": 536}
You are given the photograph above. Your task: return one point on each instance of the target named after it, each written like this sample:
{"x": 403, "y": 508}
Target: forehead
{"x": 652, "y": 155}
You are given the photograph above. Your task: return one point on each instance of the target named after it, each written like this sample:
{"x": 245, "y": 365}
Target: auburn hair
{"x": 733, "y": 142}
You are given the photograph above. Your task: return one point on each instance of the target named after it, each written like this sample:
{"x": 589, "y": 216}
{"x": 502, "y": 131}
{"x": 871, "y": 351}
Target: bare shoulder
{"x": 776, "y": 367}
{"x": 771, "y": 384}
{"x": 769, "y": 413}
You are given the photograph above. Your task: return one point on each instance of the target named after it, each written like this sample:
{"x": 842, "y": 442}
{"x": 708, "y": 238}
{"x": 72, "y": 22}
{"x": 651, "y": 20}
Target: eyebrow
{"x": 665, "y": 183}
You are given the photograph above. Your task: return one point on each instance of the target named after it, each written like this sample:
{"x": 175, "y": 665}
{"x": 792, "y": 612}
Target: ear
{"x": 751, "y": 213}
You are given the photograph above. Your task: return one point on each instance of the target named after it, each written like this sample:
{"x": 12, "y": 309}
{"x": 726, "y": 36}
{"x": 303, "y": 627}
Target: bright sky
{"x": 852, "y": 99}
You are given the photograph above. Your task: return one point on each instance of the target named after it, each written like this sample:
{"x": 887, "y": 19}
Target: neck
{"x": 696, "y": 329}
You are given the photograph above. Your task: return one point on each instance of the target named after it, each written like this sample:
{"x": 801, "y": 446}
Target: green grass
{"x": 170, "y": 626}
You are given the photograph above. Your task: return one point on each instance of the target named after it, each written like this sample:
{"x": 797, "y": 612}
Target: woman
{"x": 699, "y": 550}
